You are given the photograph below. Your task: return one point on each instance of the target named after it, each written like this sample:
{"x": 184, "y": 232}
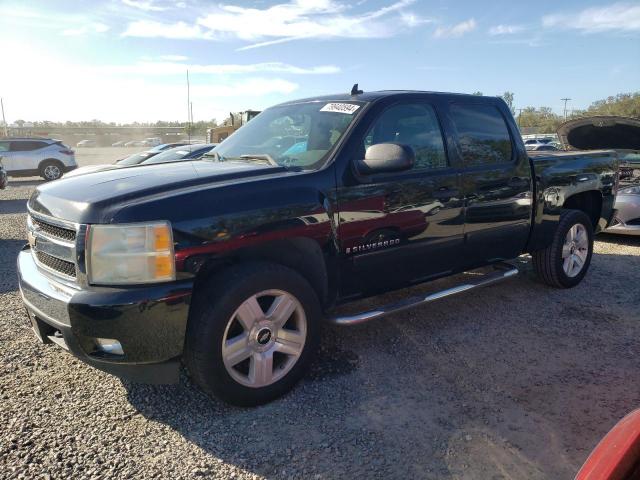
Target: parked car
{"x": 543, "y": 147}
{"x": 135, "y": 143}
{"x": 119, "y": 143}
{"x": 623, "y": 135}
{"x": 537, "y": 141}
{"x": 3, "y": 176}
{"x": 152, "y": 141}
{"x": 231, "y": 264}
{"x": 86, "y": 144}
{"x": 137, "y": 158}
{"x": 617, "y": 456}
{"x": 33, "y": 156}
{"x": 159, "y": 154}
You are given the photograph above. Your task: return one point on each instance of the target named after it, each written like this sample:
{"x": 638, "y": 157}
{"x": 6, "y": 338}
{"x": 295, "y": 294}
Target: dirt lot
{"x": 514, "y": 381}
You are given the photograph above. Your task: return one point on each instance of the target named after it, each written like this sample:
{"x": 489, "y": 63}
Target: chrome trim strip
{"x": 55, "y": 221}
{"x": 504, "y": 271}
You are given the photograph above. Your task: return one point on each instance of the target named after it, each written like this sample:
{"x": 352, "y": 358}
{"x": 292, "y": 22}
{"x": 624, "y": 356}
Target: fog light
{"x": 109, "y": 345}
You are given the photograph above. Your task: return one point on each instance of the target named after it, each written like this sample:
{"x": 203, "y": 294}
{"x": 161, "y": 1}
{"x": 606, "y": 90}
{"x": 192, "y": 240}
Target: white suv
{"x": 31, "y": 156}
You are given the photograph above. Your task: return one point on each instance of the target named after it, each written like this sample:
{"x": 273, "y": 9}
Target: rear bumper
{"x": 149, "y": 322}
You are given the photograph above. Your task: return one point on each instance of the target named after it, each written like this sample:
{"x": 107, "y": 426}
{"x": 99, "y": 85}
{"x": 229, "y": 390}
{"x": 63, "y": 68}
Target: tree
{"x": 623, "y": 104}
{"x": 508, "y": 98}
{"x": 478, "y": 93}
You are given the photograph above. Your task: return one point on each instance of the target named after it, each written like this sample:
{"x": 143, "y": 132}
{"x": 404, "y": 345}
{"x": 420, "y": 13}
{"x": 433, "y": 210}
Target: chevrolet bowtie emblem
{"x": 31, "y": 239}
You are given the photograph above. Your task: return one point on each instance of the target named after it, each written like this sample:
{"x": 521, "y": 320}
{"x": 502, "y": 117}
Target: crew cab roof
{"x": 378, "y": 95}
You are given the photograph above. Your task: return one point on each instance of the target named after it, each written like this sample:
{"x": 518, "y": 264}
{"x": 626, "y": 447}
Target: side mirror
{"x": 387, "y": 158}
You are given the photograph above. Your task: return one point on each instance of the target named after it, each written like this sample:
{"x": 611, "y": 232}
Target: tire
{"x": 222, "y": 310}
{"x": 558, "y": 265}
{"x": 51, "y": 170}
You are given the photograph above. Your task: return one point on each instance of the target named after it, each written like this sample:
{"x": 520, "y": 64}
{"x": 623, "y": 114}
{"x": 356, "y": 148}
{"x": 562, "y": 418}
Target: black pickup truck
{"x": 231, "y": 264}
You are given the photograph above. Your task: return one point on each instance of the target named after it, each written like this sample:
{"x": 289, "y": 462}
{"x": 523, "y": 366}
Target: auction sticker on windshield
{"x": 347, "y": 108}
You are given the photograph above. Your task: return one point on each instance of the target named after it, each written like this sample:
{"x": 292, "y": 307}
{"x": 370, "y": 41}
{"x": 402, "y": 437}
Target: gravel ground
{"x": 513, "y": 381}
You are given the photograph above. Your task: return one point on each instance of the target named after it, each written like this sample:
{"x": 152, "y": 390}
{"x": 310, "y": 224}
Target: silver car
{"x": 627, "y": 217}
{"x": 626, "y": 220}
{"x": 33, "y": 156}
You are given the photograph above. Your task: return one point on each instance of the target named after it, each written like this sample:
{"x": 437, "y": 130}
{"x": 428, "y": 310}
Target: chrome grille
{"x": 54, "y": 230}
{"x": 56, "y": 264}
{"x": 53, "y": 246}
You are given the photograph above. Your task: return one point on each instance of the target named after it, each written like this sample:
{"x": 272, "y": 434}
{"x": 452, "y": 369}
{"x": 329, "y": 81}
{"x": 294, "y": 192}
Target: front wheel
{"x": 565, "y": 262}
{"x": 252, "y": 333}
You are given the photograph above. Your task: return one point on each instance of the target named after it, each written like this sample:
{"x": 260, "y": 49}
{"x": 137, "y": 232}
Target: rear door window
{"x": 482, "y": 134}
{"x": 27, "y": 146}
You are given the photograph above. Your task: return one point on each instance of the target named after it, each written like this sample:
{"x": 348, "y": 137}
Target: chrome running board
{"x": 503, "y": 271}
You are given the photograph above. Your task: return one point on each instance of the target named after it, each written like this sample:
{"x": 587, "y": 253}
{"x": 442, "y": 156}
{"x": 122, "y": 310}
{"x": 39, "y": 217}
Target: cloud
{"x": 173, "y": 58}
{"x": 175, "y": 68}
{"x": 283, "y": 22}
{"x": 505, "y": 29}
{"x": 93, "y": 27}
{"x": 621, "y": 17}
{"x": 146, "y": 5}
{"x": 456, "y": 30}
{"x": 89, "y": 91}
{"x": 174, "y": 31}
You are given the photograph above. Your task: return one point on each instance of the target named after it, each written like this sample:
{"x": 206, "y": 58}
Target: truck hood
{"x": 96, "y": 197}
{"x": 601, "y": 132}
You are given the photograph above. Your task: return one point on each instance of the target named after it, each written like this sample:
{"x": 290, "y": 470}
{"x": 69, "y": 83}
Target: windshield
{"x": 135, "y": 159}
{"x": 177, "y": 153}
{"x": 299, "y": 135}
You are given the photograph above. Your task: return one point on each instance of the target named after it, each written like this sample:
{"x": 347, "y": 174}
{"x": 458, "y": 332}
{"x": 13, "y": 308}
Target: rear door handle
{"x": 518, "y": 182}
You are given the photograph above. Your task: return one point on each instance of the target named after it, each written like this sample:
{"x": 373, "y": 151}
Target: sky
{"x": 126, "y": 60}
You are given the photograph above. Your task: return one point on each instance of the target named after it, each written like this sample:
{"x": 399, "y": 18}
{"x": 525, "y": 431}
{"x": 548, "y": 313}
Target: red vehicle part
{"x": 617, "y": 456}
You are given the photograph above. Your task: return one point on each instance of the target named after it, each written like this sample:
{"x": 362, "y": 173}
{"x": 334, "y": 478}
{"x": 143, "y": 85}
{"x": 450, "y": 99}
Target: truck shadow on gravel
{"x": 499, "y": 380}
{"x": 13, "y": 206}
{"x": 8, "y": 272}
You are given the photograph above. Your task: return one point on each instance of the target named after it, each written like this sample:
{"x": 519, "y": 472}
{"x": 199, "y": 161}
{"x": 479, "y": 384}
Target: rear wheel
{"x": 565, "y": 262}
{"x": 252, "y": 333}
{"x": 51, "y": 170}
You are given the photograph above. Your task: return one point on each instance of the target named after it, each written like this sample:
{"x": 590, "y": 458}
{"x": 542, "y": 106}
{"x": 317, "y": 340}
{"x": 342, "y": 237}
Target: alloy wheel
{"x": 52, "y": 172}
{"x": 575, "y": 250}
{"x": 264, "y": 338}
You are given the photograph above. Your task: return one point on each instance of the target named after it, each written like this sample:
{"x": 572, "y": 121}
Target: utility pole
{"x": 565, "y": 100}
{"x": 4, "y": 121}
{"x": 519, "y": 115}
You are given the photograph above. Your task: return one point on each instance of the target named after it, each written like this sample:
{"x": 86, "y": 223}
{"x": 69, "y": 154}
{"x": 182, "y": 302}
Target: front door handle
{"x": 445, "y": 194}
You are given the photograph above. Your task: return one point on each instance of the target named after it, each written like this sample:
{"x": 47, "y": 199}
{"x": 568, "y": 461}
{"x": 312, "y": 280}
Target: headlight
{"x": 630, "y": 190}
{"x": 129, "y": 254}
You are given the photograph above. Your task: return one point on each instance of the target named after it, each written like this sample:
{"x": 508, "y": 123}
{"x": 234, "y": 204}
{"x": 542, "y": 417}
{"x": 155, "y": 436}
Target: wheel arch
{"x": 589, "y": 202}
{"x": 302, "y": 255}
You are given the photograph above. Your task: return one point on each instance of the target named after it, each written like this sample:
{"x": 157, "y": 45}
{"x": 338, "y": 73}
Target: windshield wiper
{"x": 262, "y": 156}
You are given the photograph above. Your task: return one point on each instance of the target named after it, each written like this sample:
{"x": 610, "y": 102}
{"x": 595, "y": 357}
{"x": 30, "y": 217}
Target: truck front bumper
{"x": 149, "y": 322}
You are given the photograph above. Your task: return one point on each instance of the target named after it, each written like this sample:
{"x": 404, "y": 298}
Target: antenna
{"x": 355, "y": 91}
{"x": 188, "y": 109}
